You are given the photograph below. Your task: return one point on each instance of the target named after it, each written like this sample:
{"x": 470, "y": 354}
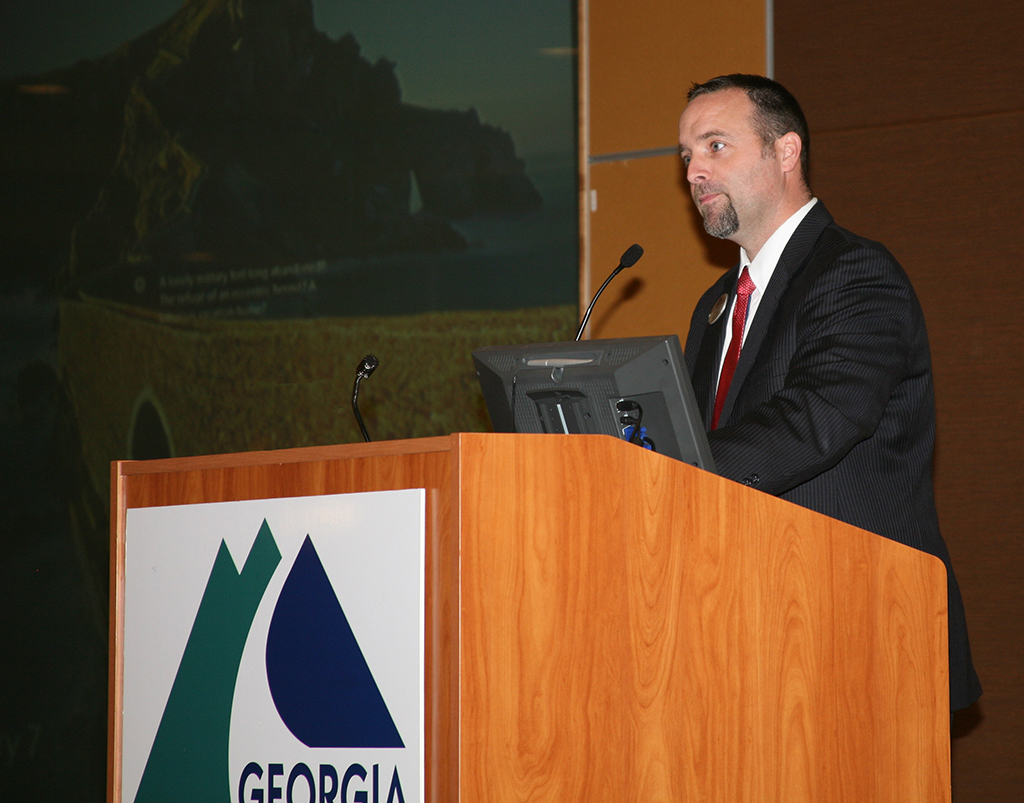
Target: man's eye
{"x": 686, "y": 160}
{"x": 717, "y": 146}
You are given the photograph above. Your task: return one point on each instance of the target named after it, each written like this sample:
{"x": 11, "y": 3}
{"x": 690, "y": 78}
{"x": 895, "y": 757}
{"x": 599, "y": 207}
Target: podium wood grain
{"x": 606, "y": 624}
{"x": 637, "y": 630}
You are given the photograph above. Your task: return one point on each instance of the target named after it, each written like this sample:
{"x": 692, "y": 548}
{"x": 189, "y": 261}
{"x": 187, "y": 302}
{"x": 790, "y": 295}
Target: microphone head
{"x": 633, "y": 253}
{"x": 367, "y": 365}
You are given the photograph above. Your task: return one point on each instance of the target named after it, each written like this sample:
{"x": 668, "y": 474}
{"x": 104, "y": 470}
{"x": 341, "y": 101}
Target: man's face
{"x": 736, "y": 187}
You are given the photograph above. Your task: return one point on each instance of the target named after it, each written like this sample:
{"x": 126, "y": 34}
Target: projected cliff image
{"x": 237, "y": 164}
{"x": 261, "y": 161}
{"x": 212, "y": 210}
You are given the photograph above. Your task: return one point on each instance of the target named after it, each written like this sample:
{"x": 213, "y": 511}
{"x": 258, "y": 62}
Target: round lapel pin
{"x": 719, "y": 308}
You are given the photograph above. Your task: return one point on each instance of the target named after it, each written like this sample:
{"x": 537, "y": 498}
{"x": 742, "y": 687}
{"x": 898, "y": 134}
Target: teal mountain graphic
{"x": 189, "y": 757}
{"x": 323, "y": 689}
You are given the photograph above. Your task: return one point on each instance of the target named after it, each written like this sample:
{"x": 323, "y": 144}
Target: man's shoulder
{"x": 845, "y": 270}
{"x": 833, "y": 232}
{"x": 821, "y": 241}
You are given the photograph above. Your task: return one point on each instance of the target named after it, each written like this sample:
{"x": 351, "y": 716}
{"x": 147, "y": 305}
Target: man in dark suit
{"x": 809, "y": 359}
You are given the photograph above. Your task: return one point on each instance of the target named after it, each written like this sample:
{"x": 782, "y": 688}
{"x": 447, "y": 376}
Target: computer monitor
{"x": 633, "y": 388}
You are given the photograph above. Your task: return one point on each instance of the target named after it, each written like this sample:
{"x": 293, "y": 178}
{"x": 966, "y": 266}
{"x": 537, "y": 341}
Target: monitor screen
{"x": 634, "y": 388}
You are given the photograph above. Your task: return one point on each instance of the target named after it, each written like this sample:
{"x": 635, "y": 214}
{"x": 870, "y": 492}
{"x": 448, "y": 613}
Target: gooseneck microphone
{"x": 366, "y": 367}
{"x": 628, "y": 260}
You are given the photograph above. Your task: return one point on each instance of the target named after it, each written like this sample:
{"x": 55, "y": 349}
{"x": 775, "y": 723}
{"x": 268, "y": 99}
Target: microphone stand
{"x": 629, "y": 258}
{"x": 366, "y": 367}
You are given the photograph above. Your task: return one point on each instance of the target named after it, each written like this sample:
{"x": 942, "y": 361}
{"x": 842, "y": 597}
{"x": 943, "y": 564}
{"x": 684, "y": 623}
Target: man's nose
{"x": 697, "y": 171}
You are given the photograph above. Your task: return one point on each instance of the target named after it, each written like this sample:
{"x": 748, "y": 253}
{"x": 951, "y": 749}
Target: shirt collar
{"x": 762, "y": 266}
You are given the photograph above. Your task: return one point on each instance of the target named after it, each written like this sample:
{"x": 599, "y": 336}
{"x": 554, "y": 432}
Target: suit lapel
{"x": 705, "y": 376}
{"x": 794, "y": 256}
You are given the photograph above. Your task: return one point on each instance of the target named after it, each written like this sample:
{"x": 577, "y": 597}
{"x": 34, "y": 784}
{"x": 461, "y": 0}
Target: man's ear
{"x": 788, "y": 148}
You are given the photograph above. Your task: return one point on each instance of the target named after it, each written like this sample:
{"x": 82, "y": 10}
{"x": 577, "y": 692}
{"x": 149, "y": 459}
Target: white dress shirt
{"x": 761, "y": 268}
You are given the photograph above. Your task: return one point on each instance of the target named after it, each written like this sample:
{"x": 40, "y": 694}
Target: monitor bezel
{"x": 652, "y": 367}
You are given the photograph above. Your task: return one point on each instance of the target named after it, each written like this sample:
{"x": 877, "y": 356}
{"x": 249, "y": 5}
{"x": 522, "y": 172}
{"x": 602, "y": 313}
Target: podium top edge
{"x": 294, "y": 455}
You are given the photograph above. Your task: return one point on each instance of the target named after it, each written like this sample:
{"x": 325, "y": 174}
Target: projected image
{"x": 269, "y": 163}
{"x": 212, "y": 210}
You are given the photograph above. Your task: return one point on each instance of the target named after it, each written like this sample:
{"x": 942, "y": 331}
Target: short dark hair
{"x": 776, "y": 111}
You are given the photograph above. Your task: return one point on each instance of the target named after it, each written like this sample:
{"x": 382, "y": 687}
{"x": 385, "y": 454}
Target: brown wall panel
{"x": 643, "y": 200}
{"x": 644, "y": 56}
{"x": 863, "y": 63}
{"x": 637, "y": 63}
{"x": 917, "y": 115}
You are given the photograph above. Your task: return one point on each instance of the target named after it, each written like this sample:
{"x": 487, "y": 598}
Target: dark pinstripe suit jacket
{"x": 831, "y": 406}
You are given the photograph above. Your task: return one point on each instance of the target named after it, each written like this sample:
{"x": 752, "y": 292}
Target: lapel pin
{"x": 719, "y": 308}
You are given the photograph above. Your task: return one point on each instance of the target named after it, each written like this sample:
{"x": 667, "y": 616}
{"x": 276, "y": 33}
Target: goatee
{"x": 723, "y": 225}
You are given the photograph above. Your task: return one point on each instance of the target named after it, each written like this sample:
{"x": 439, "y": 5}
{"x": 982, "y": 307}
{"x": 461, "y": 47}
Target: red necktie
{"x": 744, "y": 287}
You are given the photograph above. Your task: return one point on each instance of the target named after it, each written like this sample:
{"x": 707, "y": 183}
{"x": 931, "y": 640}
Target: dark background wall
{"x": 917, "y": 114}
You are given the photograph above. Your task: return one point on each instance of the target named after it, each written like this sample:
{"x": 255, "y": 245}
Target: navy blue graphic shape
{"x": 323, "y": 689}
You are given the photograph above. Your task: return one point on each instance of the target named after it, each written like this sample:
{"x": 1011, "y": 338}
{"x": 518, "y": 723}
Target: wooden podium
{"x": 607, "y": 624}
